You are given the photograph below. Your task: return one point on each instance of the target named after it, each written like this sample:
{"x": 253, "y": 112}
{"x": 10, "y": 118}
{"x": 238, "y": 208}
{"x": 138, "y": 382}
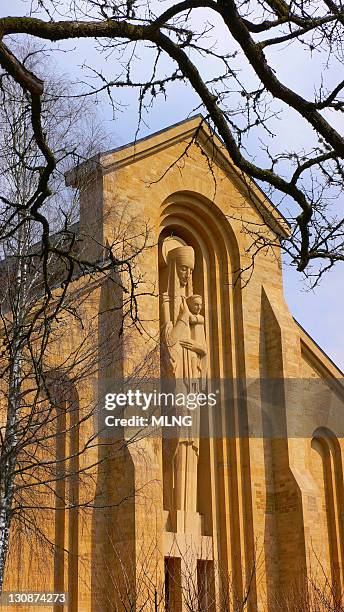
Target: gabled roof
{"x": 193, "y": 129}
{"x": 319, "y": 358}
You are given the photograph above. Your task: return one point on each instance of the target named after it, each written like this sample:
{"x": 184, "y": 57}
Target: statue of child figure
{"x": 197, "y": 342}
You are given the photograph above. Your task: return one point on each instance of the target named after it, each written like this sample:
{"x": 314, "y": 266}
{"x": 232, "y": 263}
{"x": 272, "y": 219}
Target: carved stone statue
{"x": 184, "y": 364}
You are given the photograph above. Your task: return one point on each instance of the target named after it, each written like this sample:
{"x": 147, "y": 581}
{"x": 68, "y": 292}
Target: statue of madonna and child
{"x": 184, "y": 365}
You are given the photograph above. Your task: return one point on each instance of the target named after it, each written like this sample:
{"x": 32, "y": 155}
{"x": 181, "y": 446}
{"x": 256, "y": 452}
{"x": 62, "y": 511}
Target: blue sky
{"x": 318, "y": 311}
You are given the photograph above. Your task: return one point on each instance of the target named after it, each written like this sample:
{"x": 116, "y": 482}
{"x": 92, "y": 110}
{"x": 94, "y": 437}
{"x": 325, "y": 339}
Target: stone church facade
{"x": 234, "y": 513}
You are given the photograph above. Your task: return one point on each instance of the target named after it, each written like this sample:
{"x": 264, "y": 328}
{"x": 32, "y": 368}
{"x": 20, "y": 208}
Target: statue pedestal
{"x": 183, "y": 521}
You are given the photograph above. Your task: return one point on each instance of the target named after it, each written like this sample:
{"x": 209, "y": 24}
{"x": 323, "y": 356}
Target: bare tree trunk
{"x": 8, "y": 462}
{"x": 9, "y": 449}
